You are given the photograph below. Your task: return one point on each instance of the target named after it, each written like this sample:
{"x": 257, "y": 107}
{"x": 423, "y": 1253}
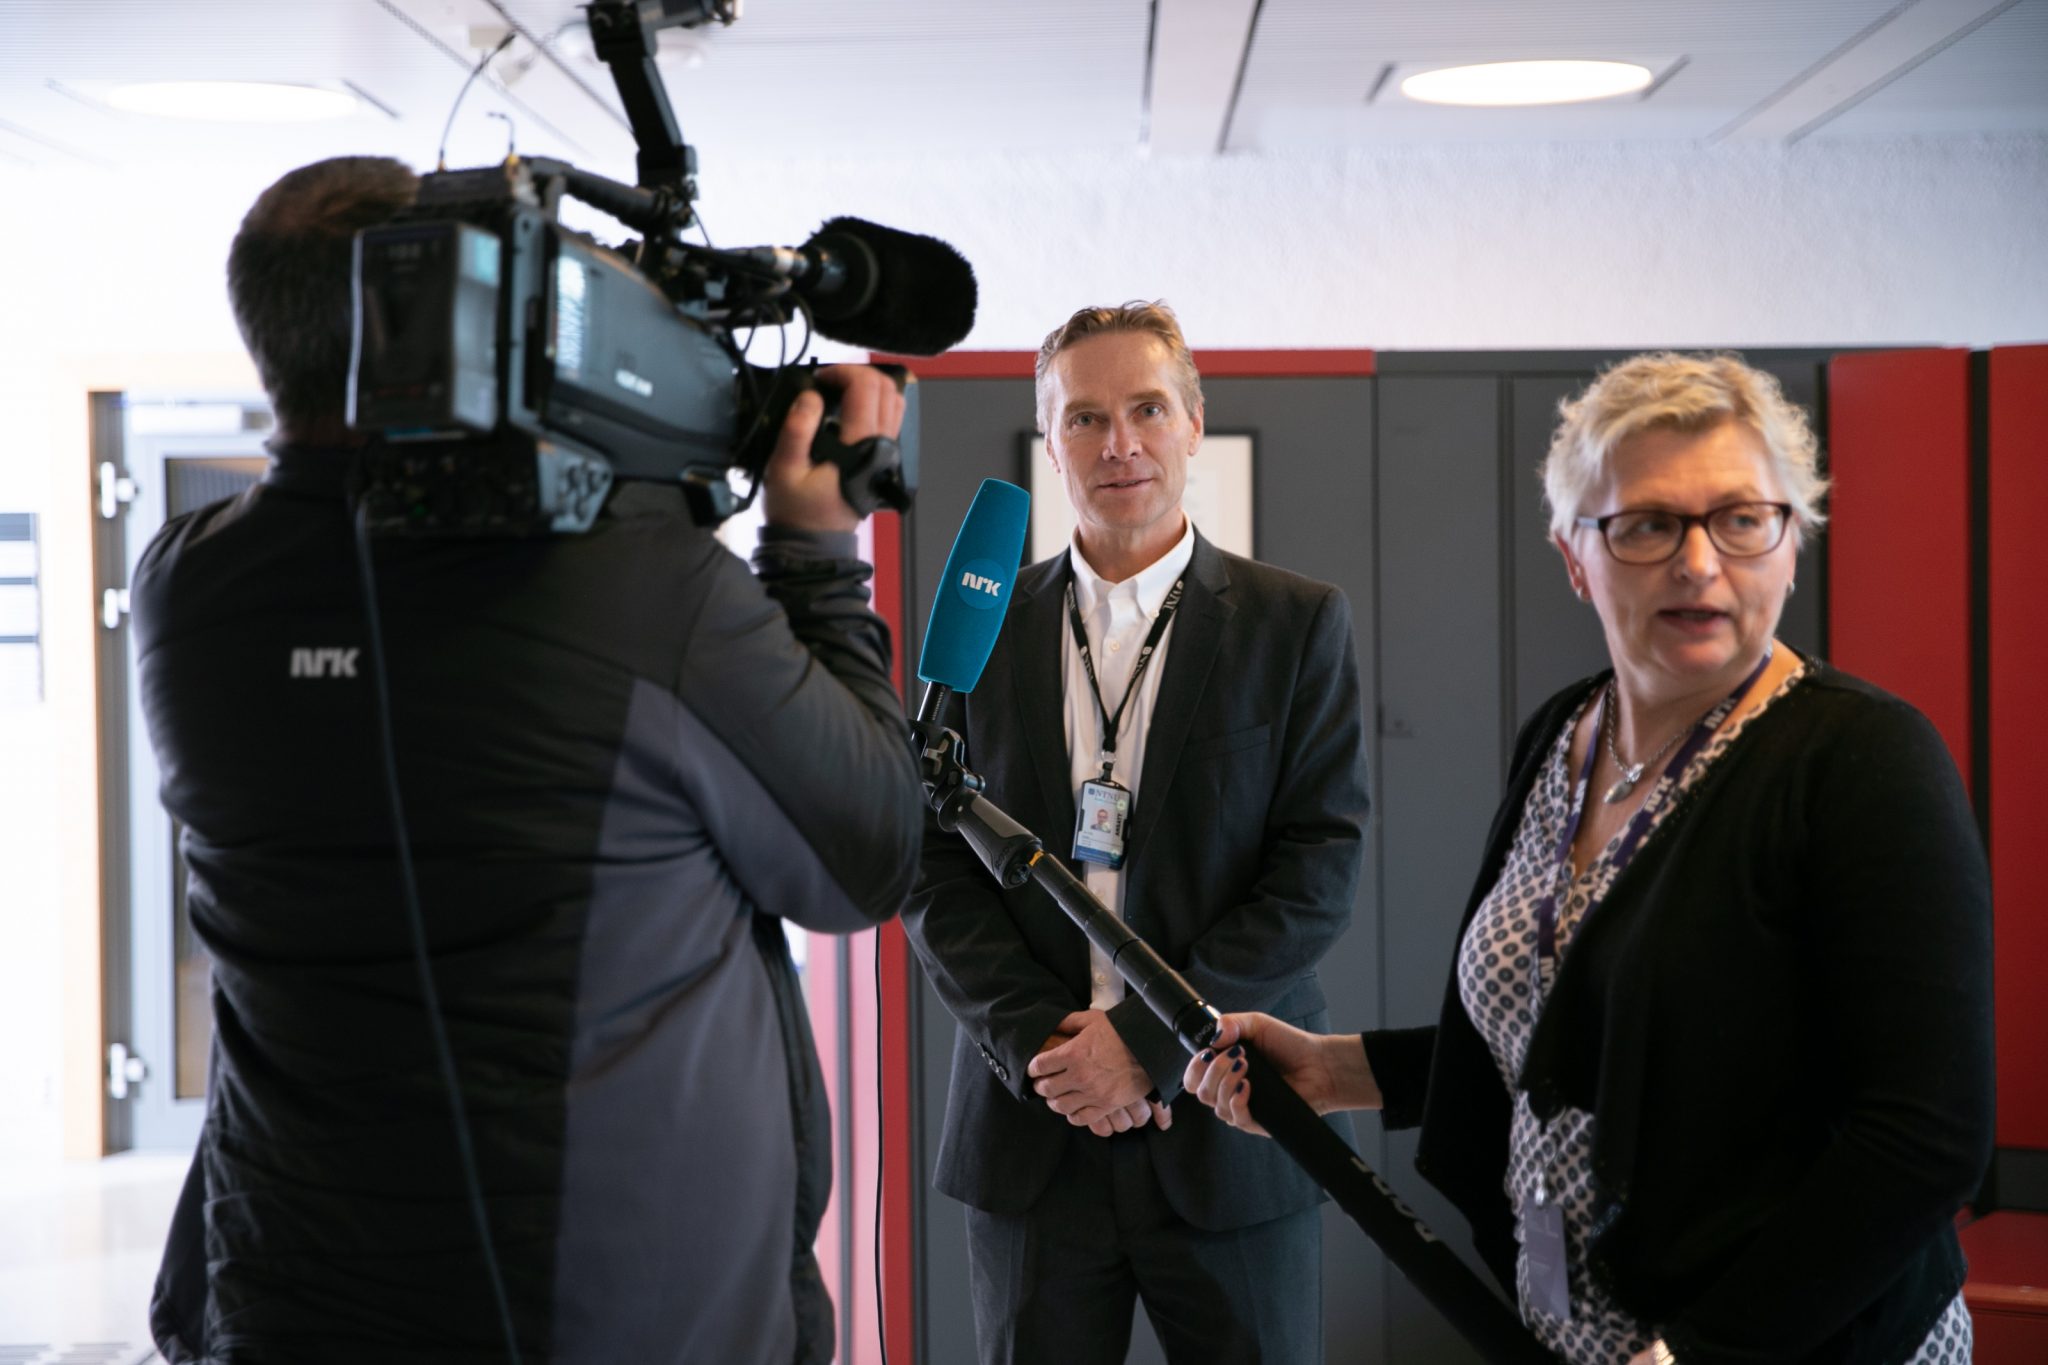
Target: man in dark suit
{"x": 1215, "y": 713}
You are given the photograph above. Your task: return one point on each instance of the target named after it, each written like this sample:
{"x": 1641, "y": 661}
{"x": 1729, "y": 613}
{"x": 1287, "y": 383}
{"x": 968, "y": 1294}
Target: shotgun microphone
{"x": 876, "y": 287}
{"x": 887, "y": 289}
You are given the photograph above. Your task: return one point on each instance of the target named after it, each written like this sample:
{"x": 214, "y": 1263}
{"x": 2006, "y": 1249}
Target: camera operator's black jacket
{"x": 625, "y": 762}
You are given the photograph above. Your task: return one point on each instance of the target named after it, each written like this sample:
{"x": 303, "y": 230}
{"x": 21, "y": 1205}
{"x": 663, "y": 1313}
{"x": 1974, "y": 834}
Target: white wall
{"x": 1454, "y": 247}
{"x": 114, "y": 280}
{"x": 111, "y": 281}
{"x": 50, "y": 1044}
{"x": 1468, "y": 248}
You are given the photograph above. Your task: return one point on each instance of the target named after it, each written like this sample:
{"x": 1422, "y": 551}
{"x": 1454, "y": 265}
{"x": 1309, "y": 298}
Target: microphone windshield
{"x": 974, "y": 593}
{"x": 887, "y": 290}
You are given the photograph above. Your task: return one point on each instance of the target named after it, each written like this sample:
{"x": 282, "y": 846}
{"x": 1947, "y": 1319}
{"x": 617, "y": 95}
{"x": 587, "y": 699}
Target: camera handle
{"x": 870, "y": 471}
{"x": 625, "y": 43}
{"x": 873, "y": 473}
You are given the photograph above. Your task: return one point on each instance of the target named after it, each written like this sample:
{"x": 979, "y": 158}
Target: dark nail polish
{"x": 1237, "y": 1065}
{"x": 1237, "y": 1051}
{"x": 1240, "y": 1087}
{"x": 1207, "y": 1053}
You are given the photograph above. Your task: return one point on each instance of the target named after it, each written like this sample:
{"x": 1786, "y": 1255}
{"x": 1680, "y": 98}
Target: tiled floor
{"x": 78, "y": 1254}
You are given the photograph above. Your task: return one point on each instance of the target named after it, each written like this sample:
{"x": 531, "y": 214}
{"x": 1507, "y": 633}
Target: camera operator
{"x": 624, "y": 762}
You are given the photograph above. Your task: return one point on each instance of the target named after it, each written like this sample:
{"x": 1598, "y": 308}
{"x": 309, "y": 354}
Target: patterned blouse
{"x": 1503, "y": 983}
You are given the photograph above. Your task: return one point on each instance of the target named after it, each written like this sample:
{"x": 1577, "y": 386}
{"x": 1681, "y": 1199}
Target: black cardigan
{"x": 1780, "y": 1018}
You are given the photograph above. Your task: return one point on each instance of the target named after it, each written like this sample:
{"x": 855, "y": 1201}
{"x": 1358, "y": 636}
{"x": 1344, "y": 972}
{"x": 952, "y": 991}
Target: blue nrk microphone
{"x": 967, "y": 610}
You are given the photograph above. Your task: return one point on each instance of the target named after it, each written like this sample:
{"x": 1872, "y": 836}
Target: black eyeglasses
{"x": 1741, "y": 530}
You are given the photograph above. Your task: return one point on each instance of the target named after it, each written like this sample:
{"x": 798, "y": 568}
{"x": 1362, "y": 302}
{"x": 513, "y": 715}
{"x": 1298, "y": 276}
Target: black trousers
{"x": 1056, "y": 1285}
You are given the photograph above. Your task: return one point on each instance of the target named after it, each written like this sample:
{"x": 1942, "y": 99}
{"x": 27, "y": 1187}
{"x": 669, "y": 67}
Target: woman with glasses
{"x": 1713, "y": 1072}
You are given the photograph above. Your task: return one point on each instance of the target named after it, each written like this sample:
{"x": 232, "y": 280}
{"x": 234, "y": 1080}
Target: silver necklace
{"x": 1631, "y": 773}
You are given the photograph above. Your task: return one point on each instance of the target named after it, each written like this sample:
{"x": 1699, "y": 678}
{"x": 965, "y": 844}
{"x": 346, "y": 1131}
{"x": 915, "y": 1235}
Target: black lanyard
{"x": 1639, "y": 823}
{"x": 1112, "y": 724}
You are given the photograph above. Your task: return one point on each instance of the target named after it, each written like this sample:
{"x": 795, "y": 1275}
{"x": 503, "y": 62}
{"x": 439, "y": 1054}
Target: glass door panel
{"x": 181, "y": 455}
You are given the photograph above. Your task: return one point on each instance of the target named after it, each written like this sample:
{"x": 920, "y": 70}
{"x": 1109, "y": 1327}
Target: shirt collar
{"x": 1151, "y": 584}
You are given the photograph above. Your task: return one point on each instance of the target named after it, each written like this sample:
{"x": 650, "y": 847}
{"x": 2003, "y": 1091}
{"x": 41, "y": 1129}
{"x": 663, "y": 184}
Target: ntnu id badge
{"x": 1100, "y": 818}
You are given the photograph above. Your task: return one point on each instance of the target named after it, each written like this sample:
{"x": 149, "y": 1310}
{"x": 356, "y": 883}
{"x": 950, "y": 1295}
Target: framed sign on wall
{"x": 21, "y": 615}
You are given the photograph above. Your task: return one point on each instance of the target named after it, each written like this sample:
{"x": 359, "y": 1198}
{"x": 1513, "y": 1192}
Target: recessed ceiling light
{"x": 233, "y": 101}
{"x": 1507, "y": 83}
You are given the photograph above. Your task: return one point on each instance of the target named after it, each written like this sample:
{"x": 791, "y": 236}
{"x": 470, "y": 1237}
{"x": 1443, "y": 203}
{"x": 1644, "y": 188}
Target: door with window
{"x": 154, "y": 459}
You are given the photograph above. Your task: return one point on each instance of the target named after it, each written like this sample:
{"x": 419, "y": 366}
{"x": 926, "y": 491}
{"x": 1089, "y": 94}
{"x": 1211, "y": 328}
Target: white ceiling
{"x": 908, "y": 78}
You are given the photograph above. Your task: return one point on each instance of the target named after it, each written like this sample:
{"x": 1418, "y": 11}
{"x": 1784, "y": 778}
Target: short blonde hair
{"x": 1686, "y": 393}
{"x": 1146, "y": 319}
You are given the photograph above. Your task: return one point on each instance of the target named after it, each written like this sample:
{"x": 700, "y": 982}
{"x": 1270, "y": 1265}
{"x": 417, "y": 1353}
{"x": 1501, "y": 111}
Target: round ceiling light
{"x": 1512, "y": 83}
{"x": 233, "y": 101}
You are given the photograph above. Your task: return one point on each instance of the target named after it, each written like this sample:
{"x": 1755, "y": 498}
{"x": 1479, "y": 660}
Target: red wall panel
{"x": 1899, "y": 535}
{"x": 892, "y": 972}
{"x": 2008, "y": 1254}
{"x": 1212, "y": 364}
{"x": 2016, "y": 602}
{"x": 888, "y": 586}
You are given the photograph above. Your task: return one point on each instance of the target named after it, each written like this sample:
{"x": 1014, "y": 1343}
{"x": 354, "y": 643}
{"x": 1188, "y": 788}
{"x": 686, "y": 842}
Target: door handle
{"x": 124, "y": 1069}
{"x": 117, "y": 490}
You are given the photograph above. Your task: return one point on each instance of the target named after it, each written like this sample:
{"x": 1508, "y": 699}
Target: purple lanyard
{"x": 1639, "y": 823}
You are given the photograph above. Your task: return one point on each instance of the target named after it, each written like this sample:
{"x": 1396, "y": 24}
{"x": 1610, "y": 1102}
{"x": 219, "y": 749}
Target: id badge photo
{"x": 1100, "y": 818}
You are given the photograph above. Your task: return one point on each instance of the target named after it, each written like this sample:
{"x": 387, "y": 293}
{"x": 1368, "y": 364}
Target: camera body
{"x": 514, "y": 368}
{"x": 510, "y": 369}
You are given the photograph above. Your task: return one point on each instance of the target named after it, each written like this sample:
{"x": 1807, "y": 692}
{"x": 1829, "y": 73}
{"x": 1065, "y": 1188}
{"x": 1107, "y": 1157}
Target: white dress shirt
{"x": 1117, "y": 617}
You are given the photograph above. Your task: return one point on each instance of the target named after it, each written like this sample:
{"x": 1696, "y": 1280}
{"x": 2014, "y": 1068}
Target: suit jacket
{"x": 1242, "y": 861}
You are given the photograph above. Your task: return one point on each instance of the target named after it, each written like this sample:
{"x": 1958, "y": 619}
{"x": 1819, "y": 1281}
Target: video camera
{"x": 511, "y": 369}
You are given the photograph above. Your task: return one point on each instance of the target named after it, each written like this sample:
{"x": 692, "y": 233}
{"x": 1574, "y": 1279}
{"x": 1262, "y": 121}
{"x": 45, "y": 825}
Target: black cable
{"x": 782, "y": 343}
{"x": 441, "y": 154}
{"x": 881, "y": 1155}
{"x": 444, "y": 1055}
{"x": 755, "y": 400}
{"x": 803, "y": 309}
{"x": 781, "y": 362}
